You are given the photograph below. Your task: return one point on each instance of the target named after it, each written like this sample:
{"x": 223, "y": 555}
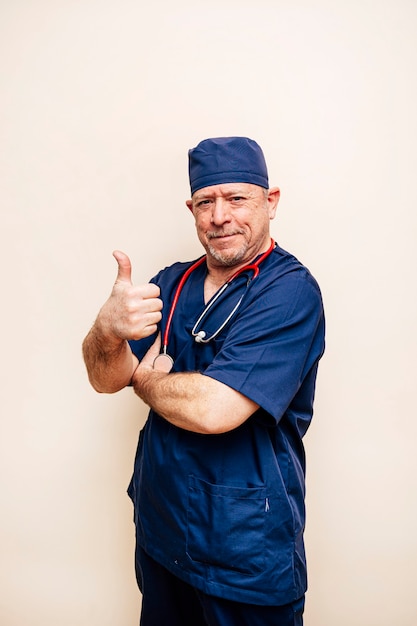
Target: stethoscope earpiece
{"x": 200, "y": 336}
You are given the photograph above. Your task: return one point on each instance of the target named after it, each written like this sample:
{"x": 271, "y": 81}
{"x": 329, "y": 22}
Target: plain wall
{"x": 99, "y": 102}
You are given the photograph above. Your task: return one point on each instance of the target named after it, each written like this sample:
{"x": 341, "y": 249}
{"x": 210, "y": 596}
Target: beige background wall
{"x": 99, "y": 102}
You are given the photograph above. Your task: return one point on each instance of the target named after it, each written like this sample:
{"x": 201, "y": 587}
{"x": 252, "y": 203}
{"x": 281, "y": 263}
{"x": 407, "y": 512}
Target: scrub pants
{"x": 168, "y": 601}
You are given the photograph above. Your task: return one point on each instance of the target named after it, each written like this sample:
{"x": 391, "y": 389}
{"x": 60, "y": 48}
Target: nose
{"x": 220, "y": 212}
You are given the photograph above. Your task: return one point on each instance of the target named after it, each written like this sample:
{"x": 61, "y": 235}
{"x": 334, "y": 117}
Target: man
{"x": 226, "y": 357}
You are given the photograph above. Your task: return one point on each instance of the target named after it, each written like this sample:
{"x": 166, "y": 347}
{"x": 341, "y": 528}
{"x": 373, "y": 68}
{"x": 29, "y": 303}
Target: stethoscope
{"x": 200, "y": 336}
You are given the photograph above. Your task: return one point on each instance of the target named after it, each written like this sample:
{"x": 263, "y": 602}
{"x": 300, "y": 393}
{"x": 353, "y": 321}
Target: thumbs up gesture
{"x": 131, "y": 312}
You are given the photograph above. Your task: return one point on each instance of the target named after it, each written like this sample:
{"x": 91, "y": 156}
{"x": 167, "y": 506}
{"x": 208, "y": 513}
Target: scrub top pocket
{"x": 226, "y": 526}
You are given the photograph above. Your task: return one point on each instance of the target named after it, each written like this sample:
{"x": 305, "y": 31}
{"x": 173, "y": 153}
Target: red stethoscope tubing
{"x": 251, "y": 266}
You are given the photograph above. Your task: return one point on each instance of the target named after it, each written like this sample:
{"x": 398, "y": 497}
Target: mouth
{"x": 222, "y": 235}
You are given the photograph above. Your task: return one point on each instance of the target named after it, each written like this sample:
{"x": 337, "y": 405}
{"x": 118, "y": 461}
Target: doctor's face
{"x": 232, "y": 221}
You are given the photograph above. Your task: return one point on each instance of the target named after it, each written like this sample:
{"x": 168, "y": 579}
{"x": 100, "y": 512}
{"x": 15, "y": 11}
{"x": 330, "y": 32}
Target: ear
{"x": 189, "y": 204}
{"x": 273, "y": 198}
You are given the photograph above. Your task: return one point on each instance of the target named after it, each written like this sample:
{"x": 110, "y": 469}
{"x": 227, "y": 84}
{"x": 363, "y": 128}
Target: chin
{"x": 227, "y": 257}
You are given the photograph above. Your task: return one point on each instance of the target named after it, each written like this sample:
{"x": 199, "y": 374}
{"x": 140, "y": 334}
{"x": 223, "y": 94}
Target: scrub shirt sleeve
{"x": 274, "y": 344}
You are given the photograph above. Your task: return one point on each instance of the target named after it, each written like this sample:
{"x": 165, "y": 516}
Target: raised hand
{"x": 131, "y": 312}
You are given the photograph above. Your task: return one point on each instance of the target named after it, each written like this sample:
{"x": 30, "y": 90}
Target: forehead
{"x": 228, "y": 189}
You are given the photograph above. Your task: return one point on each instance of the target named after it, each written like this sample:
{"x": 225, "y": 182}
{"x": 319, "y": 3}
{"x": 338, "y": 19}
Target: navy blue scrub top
{"x": 226, "y": 512}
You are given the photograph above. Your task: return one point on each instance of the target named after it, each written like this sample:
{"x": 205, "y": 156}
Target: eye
{"x": 202, "y": 203}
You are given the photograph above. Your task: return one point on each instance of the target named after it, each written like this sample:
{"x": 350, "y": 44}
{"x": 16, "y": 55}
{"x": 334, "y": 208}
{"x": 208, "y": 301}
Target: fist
{"x": 131, "y": 312}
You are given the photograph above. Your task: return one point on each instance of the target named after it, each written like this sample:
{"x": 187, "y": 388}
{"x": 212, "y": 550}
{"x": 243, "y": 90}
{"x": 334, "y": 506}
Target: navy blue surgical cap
{"x": 226, "y": 160}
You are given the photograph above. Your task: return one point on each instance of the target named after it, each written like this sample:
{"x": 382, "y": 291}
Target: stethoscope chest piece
{"x": 163, "y": 363}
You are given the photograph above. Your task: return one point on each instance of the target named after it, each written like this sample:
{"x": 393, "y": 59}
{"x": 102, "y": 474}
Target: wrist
{"x": 106, "y": 337}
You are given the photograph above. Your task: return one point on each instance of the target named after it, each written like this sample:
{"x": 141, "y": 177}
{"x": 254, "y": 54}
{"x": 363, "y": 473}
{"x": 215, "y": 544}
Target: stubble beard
{"x": 227, "y": 259}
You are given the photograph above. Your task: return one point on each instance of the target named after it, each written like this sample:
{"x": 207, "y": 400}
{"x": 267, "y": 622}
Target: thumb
{"x": 124, "y": 270}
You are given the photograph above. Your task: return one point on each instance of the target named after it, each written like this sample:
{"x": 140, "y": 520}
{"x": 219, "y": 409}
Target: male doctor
{"x": 224, "y": 350}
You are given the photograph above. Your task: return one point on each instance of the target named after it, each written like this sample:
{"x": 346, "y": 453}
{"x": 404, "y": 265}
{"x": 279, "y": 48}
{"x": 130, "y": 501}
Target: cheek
{"x": 200, "y": 229}
{"x": 202, "y": 221}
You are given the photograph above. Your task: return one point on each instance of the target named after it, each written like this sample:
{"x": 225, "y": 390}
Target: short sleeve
{"x": 274, "y": 343}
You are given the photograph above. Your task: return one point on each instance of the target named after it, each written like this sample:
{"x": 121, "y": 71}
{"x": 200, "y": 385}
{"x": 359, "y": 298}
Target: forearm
{"x": 109, "y": 361}
{"x": 192, "y": 401}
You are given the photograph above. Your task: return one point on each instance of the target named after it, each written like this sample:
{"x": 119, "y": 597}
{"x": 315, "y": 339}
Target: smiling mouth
{"x": 221, "y": 235}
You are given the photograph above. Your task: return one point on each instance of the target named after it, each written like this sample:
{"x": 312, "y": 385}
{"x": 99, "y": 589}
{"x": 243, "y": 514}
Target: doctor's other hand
{"x": 131, "y": 312}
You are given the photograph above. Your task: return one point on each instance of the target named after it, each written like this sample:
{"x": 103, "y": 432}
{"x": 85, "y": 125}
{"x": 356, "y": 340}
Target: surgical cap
{"x": 226, "y": 160}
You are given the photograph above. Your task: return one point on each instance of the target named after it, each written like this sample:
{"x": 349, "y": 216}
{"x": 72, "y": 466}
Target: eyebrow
{"x": 202, "y": 196}
{"x": 233, "y": 192}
